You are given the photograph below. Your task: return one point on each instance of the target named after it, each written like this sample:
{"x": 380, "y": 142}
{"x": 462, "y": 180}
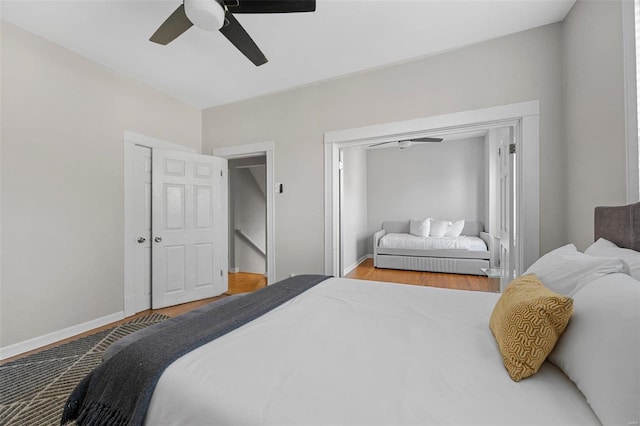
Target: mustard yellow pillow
{"x": 527, "y": 322}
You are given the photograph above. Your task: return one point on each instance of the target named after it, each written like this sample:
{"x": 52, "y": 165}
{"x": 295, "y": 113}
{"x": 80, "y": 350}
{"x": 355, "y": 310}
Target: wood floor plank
{"x": 366, "y": 271}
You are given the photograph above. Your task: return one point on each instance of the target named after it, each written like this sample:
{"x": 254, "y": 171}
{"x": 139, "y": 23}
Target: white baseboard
{"x": 234, "y": 270}
{"x": 370, "y": 256}
{"x": 56, "y": 336}
{"x": 354, "y": 265}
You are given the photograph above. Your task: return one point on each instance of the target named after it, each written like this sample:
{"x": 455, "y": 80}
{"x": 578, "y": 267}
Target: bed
{"x": 394, "y": 247}
{"x": 352, "y": 352}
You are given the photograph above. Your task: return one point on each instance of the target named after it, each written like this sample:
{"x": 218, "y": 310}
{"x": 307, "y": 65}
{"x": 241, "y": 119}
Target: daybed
{"x": 402, "y": 250}
{"x": 350, "y": 352}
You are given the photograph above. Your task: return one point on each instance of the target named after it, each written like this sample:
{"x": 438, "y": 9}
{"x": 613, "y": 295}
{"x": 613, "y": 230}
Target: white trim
{"x": 249, "y": 150}
{"x": 56, "y": 336}
{"x": 130, "y": 140}
{"x": 234, "y": 270}
{"x": 356, "y": 264}
{"x": 524, "y": 115}
{"x": 630, "y": 100}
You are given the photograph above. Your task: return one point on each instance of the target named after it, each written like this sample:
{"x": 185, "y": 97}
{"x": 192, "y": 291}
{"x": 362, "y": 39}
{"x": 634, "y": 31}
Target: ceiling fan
{"x": 406, "y": 143}
{"x": 213, "y": 15}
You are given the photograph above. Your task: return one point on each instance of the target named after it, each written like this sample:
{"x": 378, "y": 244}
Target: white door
{"x": 142, "y": 227}
{"x": 506, "y": 158}
{"x": 189, "y": 220}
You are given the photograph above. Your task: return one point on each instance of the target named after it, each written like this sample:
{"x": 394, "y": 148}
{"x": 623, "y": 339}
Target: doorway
{"x": 247, "y": 223}
{"x": 523, "y": 118}
{"x": 265, "y": 150}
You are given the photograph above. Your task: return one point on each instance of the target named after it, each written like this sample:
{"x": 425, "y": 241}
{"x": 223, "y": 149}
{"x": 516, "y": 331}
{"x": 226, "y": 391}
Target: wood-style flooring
{"x": 244, "y": 282}
{"x": 366, "y": 271}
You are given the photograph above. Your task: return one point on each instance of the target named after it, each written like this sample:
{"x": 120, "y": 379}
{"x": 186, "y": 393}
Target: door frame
{"x": 526, "y": 118}
{"x": 131, "y": 139}
{"x": 252, "y": 150}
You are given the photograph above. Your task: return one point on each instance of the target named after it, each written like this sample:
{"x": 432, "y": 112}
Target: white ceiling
{"x": 342, "y": 37}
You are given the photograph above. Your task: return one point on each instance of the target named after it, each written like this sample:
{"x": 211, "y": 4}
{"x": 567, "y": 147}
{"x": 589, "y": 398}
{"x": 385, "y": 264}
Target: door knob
{"x": 157, "y": 239}
{"x": 141, "y": 240}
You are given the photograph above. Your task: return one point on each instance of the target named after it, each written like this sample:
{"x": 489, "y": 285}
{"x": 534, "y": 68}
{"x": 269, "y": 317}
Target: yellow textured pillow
{"x": 527, "y": 322}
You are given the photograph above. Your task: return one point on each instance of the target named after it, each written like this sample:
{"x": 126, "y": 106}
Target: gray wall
{"x": 63, "y": 121}
{"x": 249, "y": 215}
{"x": 593, "y": 92}
{"x": 440, "y": 180}
{"x": 355, "y": 234}
{"x": 516, "y": 68}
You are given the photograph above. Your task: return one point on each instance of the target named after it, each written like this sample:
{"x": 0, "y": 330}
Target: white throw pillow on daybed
{"x": 564, "y": 270}
{"x": 605, "y": 248}
{"x": 455, "y": 229}
{"x": 439, "y": 227}
{"x": 600, "y": 348}
{"x": 420, "y": 228}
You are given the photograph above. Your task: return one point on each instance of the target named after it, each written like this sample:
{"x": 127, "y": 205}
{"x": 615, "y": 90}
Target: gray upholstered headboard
{"x": 620, "y": 225}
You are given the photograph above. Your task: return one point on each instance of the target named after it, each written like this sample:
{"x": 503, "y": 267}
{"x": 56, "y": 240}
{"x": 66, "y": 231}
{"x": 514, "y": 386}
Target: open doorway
{"x": 454, "y": 177}
{"x": 247, "y": 224}
{"x": 522, "y": 117}
{"x": 265, "y": 151}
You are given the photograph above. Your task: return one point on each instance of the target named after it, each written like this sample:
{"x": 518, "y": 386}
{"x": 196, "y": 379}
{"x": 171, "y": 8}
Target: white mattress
{"x": 408, "y": 241}
{"x": 351, "y": 352}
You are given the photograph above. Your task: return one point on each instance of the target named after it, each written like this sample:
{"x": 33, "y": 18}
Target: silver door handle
{"x": 141, "y": 240}
{"x": 157, "y": 239}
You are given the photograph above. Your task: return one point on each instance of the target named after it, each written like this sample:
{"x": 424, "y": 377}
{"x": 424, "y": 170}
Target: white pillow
{"x": 564, "y": 270}
{"x": 420, "y": 228}
{"x": 605, "y": 248}
{"x": 600, "y": 348}
{"x": 455, "y": 229}
{"x": 439, "y": 227}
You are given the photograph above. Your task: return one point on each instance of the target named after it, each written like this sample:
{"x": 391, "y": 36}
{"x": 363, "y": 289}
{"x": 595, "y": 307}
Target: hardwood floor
{"x": 243, "y": 282}
{"x": 366, "y": 271}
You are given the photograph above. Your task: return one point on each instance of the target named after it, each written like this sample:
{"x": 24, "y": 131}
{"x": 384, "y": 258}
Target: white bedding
{"x": 408, "y": 241}
{"x": 363, "y": 353}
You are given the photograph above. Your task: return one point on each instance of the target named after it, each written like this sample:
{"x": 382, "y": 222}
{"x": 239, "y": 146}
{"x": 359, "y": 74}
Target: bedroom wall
{"x": 63, "y": 119}
{"x": 516, "y": 68}
{"x": 440, "y": 180}
{"x": 354, "y": 207}
{"x": 593, "y": 92}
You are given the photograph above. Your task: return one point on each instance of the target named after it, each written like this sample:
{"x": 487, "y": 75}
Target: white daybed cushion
{"x": 420, "y": 228}
{"x": 350, "y": 352}
{"x": 564, "y": 270}
{"x": 605, "y": 248}
{"x": 600, "y": 349}
{"x": 408, "y": 241}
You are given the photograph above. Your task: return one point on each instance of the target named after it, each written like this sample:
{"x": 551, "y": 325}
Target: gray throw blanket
{"x": 119, "y": 390}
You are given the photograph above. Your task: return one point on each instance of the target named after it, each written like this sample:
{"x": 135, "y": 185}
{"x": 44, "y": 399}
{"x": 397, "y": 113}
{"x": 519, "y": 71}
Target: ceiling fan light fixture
{"x": 404, "y": 144}
{"x": 205, "y": 14}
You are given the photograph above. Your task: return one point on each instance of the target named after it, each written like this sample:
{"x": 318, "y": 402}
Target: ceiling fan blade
{"x": 426, "y": 140}
{"x": 175, "y": 25}
{"x": 381, "y": 143}
{"x": 234, "y": 32}
{"x": 270, "y": 6}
